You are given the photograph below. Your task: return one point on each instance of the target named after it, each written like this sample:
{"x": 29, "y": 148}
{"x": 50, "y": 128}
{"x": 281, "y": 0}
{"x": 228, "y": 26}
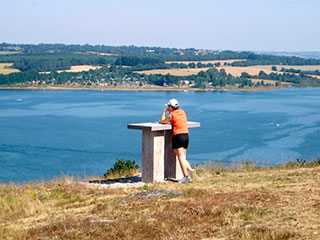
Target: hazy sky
{"x": 262, "y": 25}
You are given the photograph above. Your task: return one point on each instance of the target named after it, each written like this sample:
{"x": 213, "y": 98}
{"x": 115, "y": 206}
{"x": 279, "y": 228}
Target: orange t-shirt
{"x": 179, "y": 122}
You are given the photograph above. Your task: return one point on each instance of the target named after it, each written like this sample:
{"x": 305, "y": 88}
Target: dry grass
{"x": 5, "y": 68}
{"x": 245, "y": 203}
{"x": 209, "y": 61}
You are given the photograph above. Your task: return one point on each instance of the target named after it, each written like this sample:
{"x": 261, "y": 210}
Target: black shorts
{"x": 180, "y": 140}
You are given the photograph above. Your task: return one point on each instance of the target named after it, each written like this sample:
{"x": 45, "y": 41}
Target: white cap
{"x": 173, "y": 102}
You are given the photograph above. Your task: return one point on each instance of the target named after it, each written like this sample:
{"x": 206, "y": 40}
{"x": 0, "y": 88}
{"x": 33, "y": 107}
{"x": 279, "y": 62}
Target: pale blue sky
{"x": 258, "y": 25}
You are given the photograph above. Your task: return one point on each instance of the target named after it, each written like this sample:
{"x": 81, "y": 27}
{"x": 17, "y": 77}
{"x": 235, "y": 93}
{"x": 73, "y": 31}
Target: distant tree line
{"x": 148, "y": 63}
{"x": 298, "y": 71}
{"x": 257, "y": 59}
{"x": 57, "y": 56}
{"x": 134, "y": 61}
{"x": 53, "y": 61}
{"x": 166, "y": 53}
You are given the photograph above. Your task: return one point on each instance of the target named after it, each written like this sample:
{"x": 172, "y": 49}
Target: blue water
{"x": 46, "y": 133}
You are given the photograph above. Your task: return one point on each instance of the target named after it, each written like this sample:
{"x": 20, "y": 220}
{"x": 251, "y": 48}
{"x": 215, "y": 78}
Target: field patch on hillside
{"x": 8, "y": 52}
{"x": 209, "y": 61}
{"x": 5, "y": 68}
{"x": 80, "y": 68}
{"x": 252, "y": 70}
{"x": 234, "y": 71}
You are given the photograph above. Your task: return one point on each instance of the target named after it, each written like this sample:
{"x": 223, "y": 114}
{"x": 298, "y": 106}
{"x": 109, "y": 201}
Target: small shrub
{"x": 303, "y": 163}
{"x": 122, "y": 168}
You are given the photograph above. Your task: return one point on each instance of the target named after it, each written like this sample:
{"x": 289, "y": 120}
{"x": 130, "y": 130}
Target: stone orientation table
{"x": 159, "y": 161}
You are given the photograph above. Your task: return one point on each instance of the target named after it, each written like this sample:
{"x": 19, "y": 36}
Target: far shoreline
{"x": 155, "y": 88}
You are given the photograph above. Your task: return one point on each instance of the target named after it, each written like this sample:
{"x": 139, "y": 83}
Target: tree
{"x": 245, "y": 75}
{"x": 192, "y": 65}
{"x": 200, "y": 82}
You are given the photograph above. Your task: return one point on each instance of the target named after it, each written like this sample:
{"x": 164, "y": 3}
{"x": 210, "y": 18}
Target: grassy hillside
{"x": 239, "y": 203}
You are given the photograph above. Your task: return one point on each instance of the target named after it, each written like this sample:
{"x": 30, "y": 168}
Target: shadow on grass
{"x": 118, "y": 180}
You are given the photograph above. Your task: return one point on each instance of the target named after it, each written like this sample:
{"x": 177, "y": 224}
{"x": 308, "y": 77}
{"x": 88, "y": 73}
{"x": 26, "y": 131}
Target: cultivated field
{"x": 252, "y": 70}
{"x": 80, "y": 68}
{"x": 248, "y": 203}
{"x": 8, "y": 52}
{"x": 234, "y": 71}
{"x": 209, "y": 61}
{"x": 5, "y": 68}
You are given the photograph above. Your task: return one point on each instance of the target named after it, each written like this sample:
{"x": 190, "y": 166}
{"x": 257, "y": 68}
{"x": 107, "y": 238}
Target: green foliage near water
{"x": 122, "y": 168}
{"x": 297, "y": 80}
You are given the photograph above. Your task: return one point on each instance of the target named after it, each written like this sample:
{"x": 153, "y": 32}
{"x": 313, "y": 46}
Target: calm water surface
{"x": 44, "y": 134}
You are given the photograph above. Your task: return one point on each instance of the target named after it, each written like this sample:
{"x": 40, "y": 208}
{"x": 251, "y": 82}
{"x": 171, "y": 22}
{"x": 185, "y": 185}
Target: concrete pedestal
{"x": 152, "y": 156}
{"x": 158, "y": 159}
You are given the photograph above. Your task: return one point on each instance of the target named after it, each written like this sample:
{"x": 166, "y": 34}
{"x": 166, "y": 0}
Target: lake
{"x": 49, "y": 133}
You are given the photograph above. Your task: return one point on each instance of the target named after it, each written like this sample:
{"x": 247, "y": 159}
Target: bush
{"x": 303, "y": 163}
{"x": 122, "y": 168}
